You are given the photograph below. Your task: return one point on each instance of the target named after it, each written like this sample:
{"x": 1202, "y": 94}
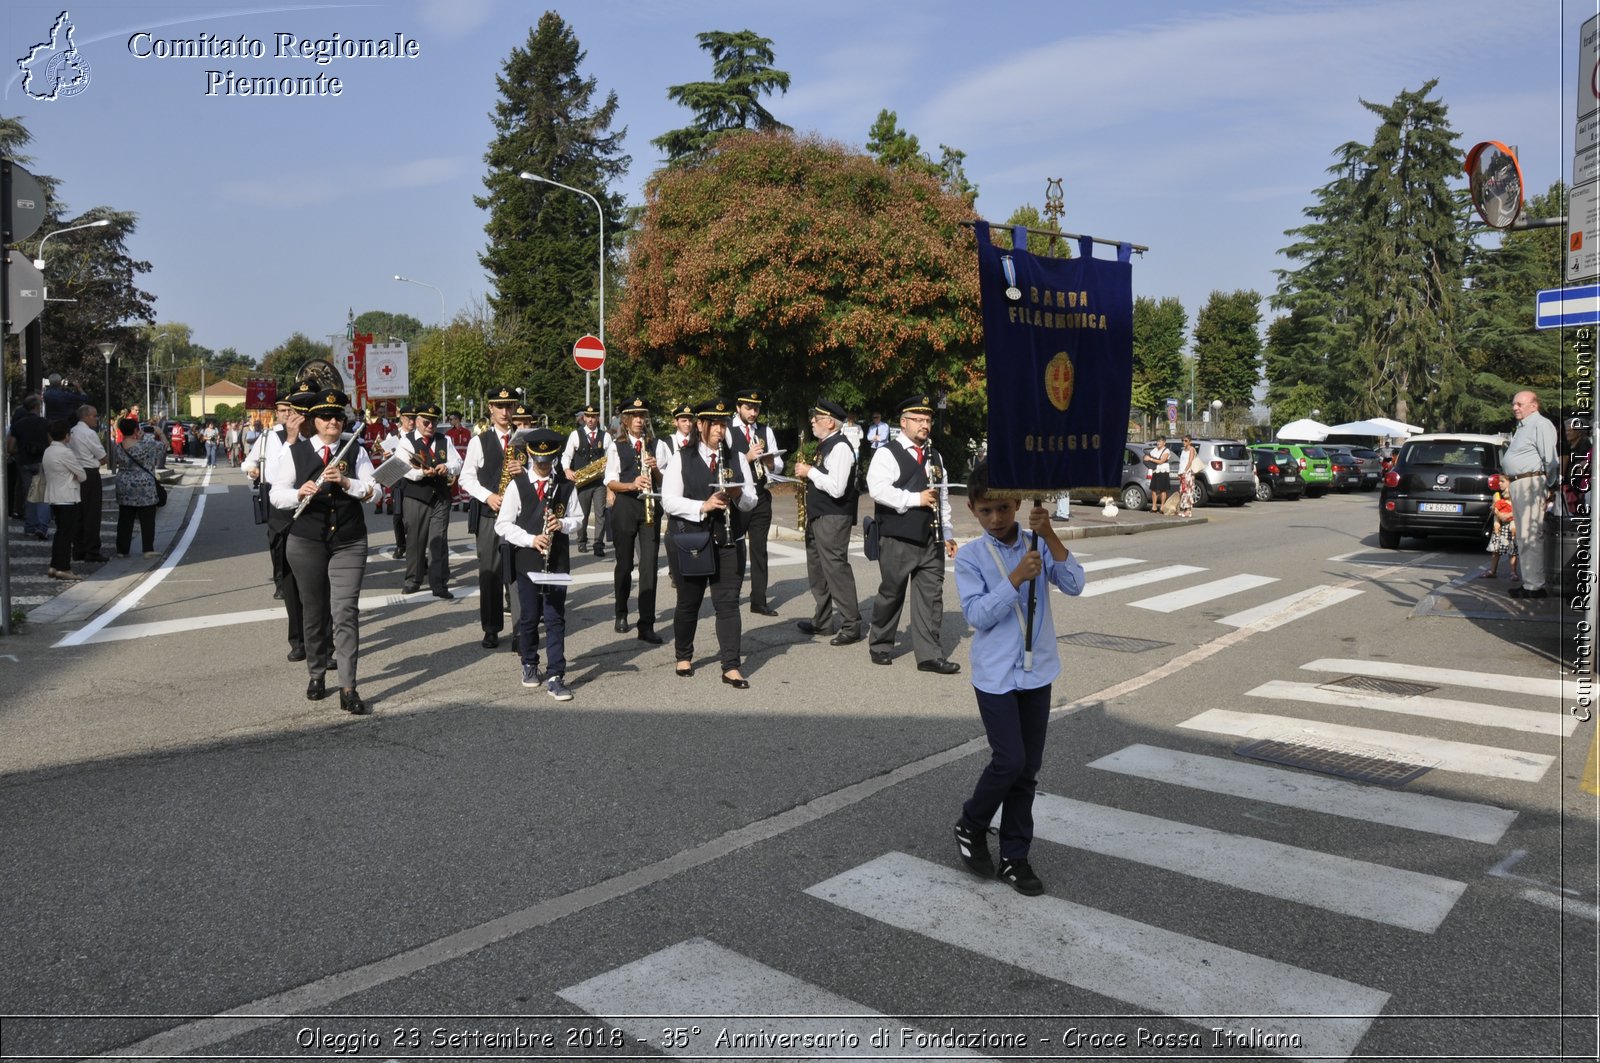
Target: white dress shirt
{"x": 361, "y": 485}
{"x": 473, "y": 462}
{"x": 833, "y": 476}
{"x": 406, "y": 447}
{"x": 613, "y": 472}
{"x": 885, "y": 470}
{"x": 87, "y": 446}
{"x": 675, "y": 504}
{"x": 505, "y": 523}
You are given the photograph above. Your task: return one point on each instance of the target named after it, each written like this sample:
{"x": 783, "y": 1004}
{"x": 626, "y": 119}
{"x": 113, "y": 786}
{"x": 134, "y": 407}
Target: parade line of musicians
{"x": 533, "y": 494}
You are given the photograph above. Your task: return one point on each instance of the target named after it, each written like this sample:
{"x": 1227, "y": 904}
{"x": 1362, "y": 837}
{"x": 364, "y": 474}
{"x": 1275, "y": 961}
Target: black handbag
{"x": 259, "y": 504}
{"x": 697, "y": 556}
{"x": 870, "y": 532}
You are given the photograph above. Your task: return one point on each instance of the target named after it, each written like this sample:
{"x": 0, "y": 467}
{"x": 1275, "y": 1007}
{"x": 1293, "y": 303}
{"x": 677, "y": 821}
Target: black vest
{"x": 431, "y": 488}
{"x": 628, "y": 469}
{"x": 915, "y": 525}
{"x": 530, "y": 518}
{"x": 494, "y": 459}
{"x": 586, "y": 453}
{"x": 741, "y": 445}
{"x": 821, "y": 504}
{"x": 699, "y": 485}
{"x": 333, "y": 515}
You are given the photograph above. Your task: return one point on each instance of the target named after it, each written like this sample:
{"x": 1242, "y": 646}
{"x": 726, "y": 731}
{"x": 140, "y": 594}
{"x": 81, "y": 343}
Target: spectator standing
{"x": 61, "y": 400}
{"x": 877, "y": 432}
{"x": 1533, "y": 469}
{"x": 26, "y": 442}
{"x": 85, "y": 439}
{"x": 63, "y": 473}
{"x": 136, "y": 488}
{"x": 208, "y": 434}
{"x": 1188, "y": 467}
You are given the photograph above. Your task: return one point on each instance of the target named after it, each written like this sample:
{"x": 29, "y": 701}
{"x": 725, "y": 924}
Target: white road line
{"x": 1289, "y": 608}
{"x": 1137, "y": 579}
{"x": 1136, "y": 963}
{"x": 1323, "y": 880}
{"x": 1104, "y": 563}
{"x": 1533, "y": 721}
{"x": 1205, "y": 592}
{"x": 1511, "y": 684}
{"x": 1449, "y": 756}
{"x": 1315, "y": 793}
{"x": 696, "y": 979}
{"x": 1561, "y": 904}
{"x": 150, "y": 582}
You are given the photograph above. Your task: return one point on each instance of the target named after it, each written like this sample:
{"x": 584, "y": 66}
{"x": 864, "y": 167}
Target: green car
{"x": 1315, "y": 466}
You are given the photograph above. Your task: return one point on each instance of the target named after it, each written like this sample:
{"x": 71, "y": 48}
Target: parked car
{"x": 1135, "y": 492}
{"x": 1346, "y": 468}
{"x": 1227, "y": 472}
{"x": 1372, "y": 467}
{"x": 1441, "y": 484}
{"x": 1314, "y": 467}
{"x": 1277, "y": 474}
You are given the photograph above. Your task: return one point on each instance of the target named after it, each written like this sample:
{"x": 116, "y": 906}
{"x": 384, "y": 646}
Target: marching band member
{"x": 327, "y": 548}
{"x": 486, "y": 471}
{"x": 435, "y": 467}
{"x": 259, "y": 465}
{"x": 753, "y": 439}
{"x": 830, "y": 514}
{"x": 460, "y": 435}
{"x": 586, "y": 445}
{"x": 395, "y": 499}
{"x": 537, "y": 517}
{"x": 913, "y": 515}
{"x": 631, "y": 472}
{"x": 697, "y": 496}
{"x": 683, "y": 418}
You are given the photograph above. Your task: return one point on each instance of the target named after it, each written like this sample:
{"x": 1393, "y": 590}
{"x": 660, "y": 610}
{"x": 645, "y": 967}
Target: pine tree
{"x": 544, "y": 241}
{"x": 741, "y": 63}
{"x": 900, "y": 150}
{"x": 1227, "y": 350}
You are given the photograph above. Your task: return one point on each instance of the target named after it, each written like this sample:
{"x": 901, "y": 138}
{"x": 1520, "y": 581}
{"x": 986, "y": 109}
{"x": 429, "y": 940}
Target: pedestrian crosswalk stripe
{"x": 1101, "y": 564}
{"x": 1416, "y": 749}
{"x": 1145, "y": 966}
{"x": 1205, "y": 592}
{"x": 1511, "y": 684}
{"x": 1290, "y": 607}
{"x": 1547, "y": 722}
{"x": 1324, "y": 880}
{"x": 1137, "y": 579}
{"x": 1317, "y": 793}
{"x": 755, "y": 1010}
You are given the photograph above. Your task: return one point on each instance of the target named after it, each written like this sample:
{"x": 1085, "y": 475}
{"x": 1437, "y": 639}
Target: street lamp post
{"x": 38, "y": 263}
{"x": 443, "y": 316}
{"x": 107, "y": 350}
{"x": 526, "y": 176}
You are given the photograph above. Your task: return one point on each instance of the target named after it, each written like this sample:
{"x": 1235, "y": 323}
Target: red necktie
{"x": 713, "y": 466}
{"x": 918, "y": 451}
{"x": 541, "y": 490}
{"x": 327, "y": 454}
{"x": 505, "y": 442}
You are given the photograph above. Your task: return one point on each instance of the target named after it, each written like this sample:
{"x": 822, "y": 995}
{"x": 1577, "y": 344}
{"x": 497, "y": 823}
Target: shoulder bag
{"x": 161, "y": 491}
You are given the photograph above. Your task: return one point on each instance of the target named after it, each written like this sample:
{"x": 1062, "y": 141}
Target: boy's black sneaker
{"x": 974, "y": 848}
{"x": 1020, "y": 877}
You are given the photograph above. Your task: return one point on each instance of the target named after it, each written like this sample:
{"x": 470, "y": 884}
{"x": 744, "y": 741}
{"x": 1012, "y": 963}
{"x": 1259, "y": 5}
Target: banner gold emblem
{"x": 1058, "y": 380}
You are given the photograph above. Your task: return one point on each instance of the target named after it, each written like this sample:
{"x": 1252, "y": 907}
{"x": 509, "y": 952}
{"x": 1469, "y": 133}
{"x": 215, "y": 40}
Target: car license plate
{"x": 1290, "y": 480}
{"x": 1439, "y": 507}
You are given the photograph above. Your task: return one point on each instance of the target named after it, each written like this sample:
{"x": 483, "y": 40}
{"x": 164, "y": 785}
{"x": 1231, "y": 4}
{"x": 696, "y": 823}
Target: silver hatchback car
{"x": 1227, "y": 473}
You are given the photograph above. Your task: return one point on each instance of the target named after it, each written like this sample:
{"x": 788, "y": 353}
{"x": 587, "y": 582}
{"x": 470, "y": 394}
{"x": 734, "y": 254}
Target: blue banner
{"x": 1058, "y": 335}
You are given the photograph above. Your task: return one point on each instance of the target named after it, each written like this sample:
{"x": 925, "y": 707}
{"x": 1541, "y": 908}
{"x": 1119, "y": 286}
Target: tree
{"x": 1158, "y": 329}
{"x": 1502, "y": 350}
{"x": 1227, "y": 349}
{"x": 898, "y": 149}
{"x": 544, "y": 240}
{"x": 284, "y": 361}
{"x": 1409, "y": 275}
{"x": 742, "y": 65}
{"x": 381, "y": 325}
{"x": 812, "y": 269}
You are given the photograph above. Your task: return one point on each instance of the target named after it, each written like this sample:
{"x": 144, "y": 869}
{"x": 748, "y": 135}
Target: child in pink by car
{"x": 1504, "y": 538}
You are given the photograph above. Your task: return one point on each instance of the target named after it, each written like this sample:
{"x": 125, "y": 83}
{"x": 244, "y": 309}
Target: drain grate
{"x": 1120, "y": 643}
{"x": 1371, "y": 685}
{"x": 1360, "y": 764}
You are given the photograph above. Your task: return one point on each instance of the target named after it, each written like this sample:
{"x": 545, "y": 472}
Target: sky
{"x": 1199, "y": 129}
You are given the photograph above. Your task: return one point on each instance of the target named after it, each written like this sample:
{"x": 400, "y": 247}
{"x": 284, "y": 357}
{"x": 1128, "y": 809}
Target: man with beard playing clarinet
{"x": 537, "y": 517}
{"x": 483, "y": 471}
{"x": 327, "y": 547}
{"x": 752, "y": 439}
{"x": 631, "y": 473}
{"x": 699, "y": 493}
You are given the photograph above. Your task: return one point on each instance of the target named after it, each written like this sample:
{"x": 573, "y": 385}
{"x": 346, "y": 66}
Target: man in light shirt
{"x": 831, "y": 496}
{"x": 85, "y": 441}
{"x": 1533, "y": 467}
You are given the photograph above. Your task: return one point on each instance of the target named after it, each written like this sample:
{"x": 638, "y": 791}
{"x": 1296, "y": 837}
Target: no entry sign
{"x": 589, "y": 353}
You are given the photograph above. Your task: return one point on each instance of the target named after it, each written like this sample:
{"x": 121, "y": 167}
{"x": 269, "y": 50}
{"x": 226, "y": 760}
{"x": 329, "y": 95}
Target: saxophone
{"x": 520, "y": 454}
{"x": 807, "y": 453}
{"x": 646, "y": 453}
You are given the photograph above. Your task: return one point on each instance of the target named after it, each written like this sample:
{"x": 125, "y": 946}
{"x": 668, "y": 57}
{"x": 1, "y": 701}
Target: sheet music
{"x": 392, "y": 471}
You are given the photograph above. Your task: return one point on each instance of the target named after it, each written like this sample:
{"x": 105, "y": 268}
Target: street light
{"x": 107, "y": 349}
{"x": 444, "y": 315}
{"x": 38, "y": 263}
{"x": 526, "y": 176}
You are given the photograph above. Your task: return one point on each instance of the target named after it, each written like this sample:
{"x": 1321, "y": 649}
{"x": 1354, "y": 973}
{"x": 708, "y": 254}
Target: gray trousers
{"x": 1528, "y": 498}
{"x": 921, "y": 568}
{"x": 833, "y": 584}
{"x": 329, "y": 577}
{"x": 427, "y": 538}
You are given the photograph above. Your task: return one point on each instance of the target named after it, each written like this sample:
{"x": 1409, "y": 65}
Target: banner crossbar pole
{"x": 1140, "y": 248}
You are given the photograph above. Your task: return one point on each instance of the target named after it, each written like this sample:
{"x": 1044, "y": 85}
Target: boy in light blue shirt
{"x": 993, "y": 573}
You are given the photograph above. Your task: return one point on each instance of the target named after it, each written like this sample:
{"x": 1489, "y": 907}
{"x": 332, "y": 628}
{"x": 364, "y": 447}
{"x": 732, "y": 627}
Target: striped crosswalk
{"x": 1199, "y": 977}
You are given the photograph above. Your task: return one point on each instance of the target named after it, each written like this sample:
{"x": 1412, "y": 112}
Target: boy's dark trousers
{"x": 1015, "y": 723}
{"x": 546, "y": 602}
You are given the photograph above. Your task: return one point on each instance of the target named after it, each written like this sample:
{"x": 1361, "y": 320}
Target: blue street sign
{"x": 1563, "y": 307}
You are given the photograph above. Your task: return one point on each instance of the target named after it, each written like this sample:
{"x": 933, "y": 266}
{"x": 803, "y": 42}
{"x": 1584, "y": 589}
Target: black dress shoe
{"x": 297, "y": 654}
{"x": 842, "y": 639}
{"x": 400, "y": 554}
{"x": 350, "y": 701}
{"x": 583, "y": 548}
{"x": 491, "y": 639}
{"x": 881, "y": 657}
{"x": 763, "y": 610}
{"x": 317, "y": 689}
{"x": 647, "y": 635}
{"x": 409, "y": 588}
{"x": 622, "y": 625}
{"x": 443, "y": 592}
{"x": 1524, "y": 592}
{"x": 599, "y": 551}
{"x": 685, "y": 673}
{"x": 277, "y": 595}
{"x": 737, "y": 684}
{"x": 808, "y": 628}
{"x": 941, "y": 666}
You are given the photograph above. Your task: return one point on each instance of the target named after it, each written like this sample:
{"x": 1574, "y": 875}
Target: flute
{"x": 337, "y": 459}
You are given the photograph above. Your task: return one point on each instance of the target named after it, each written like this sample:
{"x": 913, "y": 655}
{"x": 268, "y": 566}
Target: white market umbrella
{"x": 1375, "y": 426}
{"x": 1305, "y": 430}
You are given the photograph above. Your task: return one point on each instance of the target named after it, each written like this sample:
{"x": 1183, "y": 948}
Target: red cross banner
{"x": 388, "y": 371}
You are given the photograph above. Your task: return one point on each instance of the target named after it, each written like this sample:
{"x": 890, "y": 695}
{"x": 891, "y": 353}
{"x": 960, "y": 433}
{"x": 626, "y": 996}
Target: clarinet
{"x": 724, "y": 478}
{"x": 936, "y": 476}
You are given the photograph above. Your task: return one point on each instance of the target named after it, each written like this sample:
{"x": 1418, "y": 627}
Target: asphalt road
{"x": 676, "y": 867}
